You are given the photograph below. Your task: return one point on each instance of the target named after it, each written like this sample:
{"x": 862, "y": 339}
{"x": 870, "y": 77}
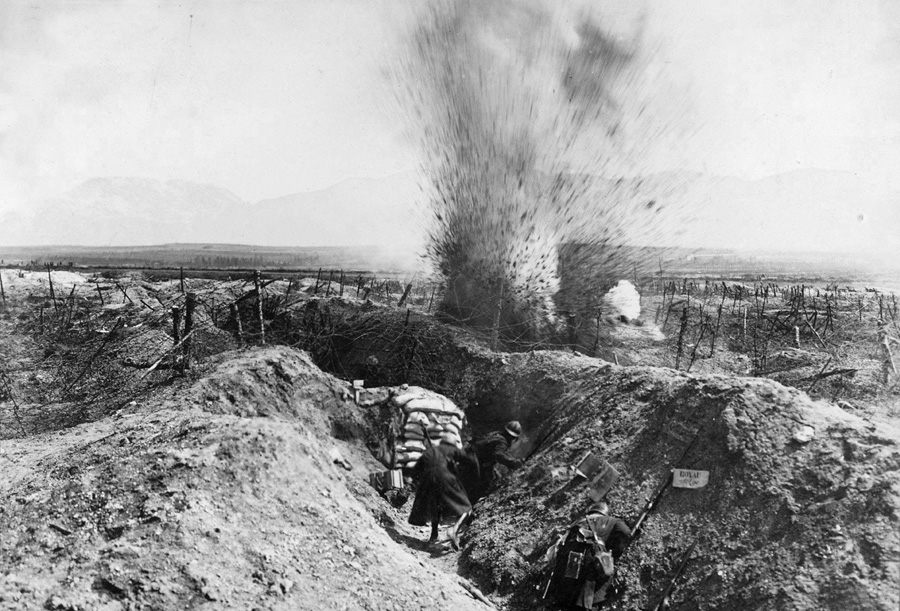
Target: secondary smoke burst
{"x": 532, "y": 123}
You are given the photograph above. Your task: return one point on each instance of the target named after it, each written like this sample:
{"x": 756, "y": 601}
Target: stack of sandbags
{"x": 427, "y": 417}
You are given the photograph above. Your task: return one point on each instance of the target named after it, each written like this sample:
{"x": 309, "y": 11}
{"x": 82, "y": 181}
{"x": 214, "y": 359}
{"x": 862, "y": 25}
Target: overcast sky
{"x": 273, "y": 97}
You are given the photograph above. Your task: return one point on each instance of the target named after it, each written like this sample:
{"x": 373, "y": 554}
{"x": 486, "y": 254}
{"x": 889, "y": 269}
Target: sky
{"x": 268, "y": 98}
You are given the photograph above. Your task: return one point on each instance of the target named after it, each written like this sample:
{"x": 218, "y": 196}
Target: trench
{"x": 389, "y": 347}
{"x": 386, "y": 347}
{"x": 628, "y": 414}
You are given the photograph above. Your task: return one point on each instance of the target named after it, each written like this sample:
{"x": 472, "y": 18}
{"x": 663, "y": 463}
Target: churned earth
{"x": 802, "y": 508}
{"x": 245, "y": 484}
{"x": 226, "y": 496}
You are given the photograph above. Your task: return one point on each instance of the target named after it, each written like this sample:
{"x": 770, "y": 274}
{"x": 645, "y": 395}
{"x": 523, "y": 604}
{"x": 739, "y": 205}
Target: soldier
{"x": 439, "y": 494}
{"x": 491, "y": 450}
{"x": 582, "y": 560}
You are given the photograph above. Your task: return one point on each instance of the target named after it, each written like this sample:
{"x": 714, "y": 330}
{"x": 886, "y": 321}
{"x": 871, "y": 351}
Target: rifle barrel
{"x": 651, "y": 503}
{"x": 670, "y": 587}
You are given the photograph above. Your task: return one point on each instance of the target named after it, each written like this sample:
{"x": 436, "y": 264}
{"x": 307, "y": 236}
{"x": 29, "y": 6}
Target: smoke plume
{"x": 532, "y": 122}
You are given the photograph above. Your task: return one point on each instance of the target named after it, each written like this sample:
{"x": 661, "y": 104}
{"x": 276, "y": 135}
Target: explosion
{"x": 530, "y": 124}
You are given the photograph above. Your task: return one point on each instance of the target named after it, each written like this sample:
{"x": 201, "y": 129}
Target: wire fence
{"x": 76, "y": 349}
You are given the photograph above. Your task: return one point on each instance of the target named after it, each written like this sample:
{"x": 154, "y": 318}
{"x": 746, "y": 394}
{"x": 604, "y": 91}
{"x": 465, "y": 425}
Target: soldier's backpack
{"x": 575, "y": 564}
{"x": 582, "y": 556}
{"x": 601, "y": 529}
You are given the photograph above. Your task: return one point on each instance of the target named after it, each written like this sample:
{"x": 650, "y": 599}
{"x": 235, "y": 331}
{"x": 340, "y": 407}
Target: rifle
{"x": 663, "y": 603}
{"x": 652, "y": 502}
{"x": 542, "y": 442}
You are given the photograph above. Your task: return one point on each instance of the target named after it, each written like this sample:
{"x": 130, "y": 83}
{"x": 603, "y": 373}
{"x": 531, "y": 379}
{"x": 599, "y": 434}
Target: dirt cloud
{"x": 533, "y": 121}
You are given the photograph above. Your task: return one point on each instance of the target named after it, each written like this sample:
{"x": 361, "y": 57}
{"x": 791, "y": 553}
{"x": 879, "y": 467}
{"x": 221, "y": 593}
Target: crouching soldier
{"x": 582, "y": 560}
{"x": 490, "y": 451}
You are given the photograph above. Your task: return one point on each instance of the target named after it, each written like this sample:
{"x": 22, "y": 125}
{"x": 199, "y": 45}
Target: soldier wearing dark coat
{"x": 440, "y": 497}
{"x": 490, "y": 451}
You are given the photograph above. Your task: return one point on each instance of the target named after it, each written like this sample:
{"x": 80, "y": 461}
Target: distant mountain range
{"x": 125, "y": 211}
{"x": 810, "y": 210}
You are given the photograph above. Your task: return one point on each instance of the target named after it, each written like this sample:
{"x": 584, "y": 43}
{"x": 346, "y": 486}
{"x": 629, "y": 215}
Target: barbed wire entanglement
{"x": 76, "y": 347}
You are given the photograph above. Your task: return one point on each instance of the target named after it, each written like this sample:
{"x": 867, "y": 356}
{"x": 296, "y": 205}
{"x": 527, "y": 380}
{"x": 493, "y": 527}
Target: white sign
{"x": 686, "y": 478}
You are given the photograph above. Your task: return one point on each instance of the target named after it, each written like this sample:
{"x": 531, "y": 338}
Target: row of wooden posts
{"x": 181, "y": 338}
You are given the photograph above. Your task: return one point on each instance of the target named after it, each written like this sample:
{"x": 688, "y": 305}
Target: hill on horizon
{"x": 803, "y": 210}
{"x": 128, "y": 211}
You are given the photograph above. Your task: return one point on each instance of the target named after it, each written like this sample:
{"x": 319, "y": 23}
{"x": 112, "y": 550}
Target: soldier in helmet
{"x": 490, "y": 451}
{"x": 582, "y": 560}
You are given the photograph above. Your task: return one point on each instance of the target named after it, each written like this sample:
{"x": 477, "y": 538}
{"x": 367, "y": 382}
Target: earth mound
{"x": 227, "y": 498}
{"x": 243, "y": 482}
{"x": 801, "y": 510}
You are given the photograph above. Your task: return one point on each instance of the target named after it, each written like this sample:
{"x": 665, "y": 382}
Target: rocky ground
{"x": 221, "y": 489}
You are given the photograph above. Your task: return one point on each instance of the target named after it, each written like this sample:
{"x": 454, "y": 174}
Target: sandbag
{"x": 422, "y": 403}
{"x": 415, "y": 434}
{"x": 447, "y": 418}
{"x": 410, "y": 445}
{"x": 426, "y": 417}
{"x": 408, "y": 457}
{"x": 418, "y": 418}
{"x": 453, "y": 438}
{"x": 435, "y": 430}
{"x": 401, "y": 400}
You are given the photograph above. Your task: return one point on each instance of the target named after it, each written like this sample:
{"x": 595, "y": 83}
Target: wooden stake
{"x": 2, "y": 292}
{"x": 52, "y": 294}
{"x": 235, "y": 316}
{"x": 818, "y": 377}
{"x": 259, "y": 309}
{"x": 190, "y": 302}
{"x": 125, "y": 293}
{"x": 71, "y": 307}
{"x": 181, "y": 278}
{"x": 680, "y": 349}
{"x": 597, "y": 336}
{"x": 712, "y": 346}
{"x": 405, "y": 295}
{"x": 176, "y": 324}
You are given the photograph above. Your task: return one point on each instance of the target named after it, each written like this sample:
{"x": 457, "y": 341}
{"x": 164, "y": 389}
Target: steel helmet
{"x": 513, "y": 428}
{"x": 600, "y": 507}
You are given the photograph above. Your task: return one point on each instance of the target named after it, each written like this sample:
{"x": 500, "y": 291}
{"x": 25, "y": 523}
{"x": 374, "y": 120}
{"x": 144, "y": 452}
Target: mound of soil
{"x": 227, "y": 498}
{"x": 220, "y": 489}
{"x": 786, "y": 522}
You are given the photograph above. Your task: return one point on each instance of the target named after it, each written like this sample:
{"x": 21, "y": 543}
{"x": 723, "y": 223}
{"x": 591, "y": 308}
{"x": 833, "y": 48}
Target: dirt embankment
{"x": 227, "y": 498}
{"x": 225, "y": 495}
{"x": 784, "y": 523}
